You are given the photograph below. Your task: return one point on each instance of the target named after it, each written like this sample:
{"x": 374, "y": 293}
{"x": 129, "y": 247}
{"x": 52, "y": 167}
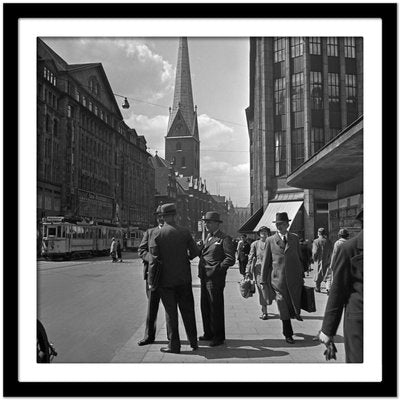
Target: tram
{"x": 134, "y": 236}
{"x": 64, "y": 238}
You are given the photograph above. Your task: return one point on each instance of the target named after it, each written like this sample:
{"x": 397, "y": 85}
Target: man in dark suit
{"x": 243, "y": 250}
{"x": 282, "y": 271}
{"x": 217, "y": 255}
{"x": 347, "y": 292}
{"x": 153, "y": 296}
{"x": 174, "y": 247}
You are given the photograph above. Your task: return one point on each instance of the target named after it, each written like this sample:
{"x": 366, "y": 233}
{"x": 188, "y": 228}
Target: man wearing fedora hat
{"x": 282, "y": 272}
{"x": 174, "y": 247}
{"x": 217, "y": 255}
{"x": 153, "y": 296}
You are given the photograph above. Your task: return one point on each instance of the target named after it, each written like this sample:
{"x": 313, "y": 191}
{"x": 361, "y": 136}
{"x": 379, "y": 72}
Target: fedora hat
{"x": 211, "y": 216}
{"x": 168, "y": 209}
{"x": 281, "y": 217}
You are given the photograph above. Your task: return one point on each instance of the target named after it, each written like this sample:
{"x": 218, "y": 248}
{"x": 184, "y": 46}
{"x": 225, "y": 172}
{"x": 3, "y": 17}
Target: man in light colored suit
{"x": 282, "y": 271}
{"x": 217, "y": 255}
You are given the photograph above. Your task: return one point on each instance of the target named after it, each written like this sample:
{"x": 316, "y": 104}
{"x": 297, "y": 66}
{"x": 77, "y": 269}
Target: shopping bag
{"x": 308, "y": 299}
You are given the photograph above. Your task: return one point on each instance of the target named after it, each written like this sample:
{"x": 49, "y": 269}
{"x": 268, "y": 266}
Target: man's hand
{"x": 325, "y": 338}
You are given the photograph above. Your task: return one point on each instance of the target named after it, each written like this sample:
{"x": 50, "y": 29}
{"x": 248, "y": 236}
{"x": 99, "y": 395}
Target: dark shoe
{"x": 168, "y": 350}
{"x": 299, "y": 318}
{"x": 214, "y": 343}
{"x": 263, "y": 316}
{"x": 289, "y": 340}
{"x": 195, "y": 347}
{"x": 204, "y": 337}
{"x": 143, "y": 342}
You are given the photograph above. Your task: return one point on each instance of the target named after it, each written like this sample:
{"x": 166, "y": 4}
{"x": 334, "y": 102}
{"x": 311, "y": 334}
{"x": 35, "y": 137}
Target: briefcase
{"x": 308, "y": 299}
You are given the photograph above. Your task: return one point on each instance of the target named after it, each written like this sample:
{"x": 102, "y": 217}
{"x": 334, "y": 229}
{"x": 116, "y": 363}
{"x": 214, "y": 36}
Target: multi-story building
{"x": 303, "y": 92}
{"x": 90, "y": 163}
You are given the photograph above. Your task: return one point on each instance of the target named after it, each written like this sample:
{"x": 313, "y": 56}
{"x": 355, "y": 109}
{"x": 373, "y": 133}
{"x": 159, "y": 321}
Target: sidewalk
{"x": 249, "y": 339}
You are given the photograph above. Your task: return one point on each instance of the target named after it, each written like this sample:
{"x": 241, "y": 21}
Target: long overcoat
{"x": 347, "y": 292}
{"x": 282, "y": 267}
{"x": 321, "y": 254}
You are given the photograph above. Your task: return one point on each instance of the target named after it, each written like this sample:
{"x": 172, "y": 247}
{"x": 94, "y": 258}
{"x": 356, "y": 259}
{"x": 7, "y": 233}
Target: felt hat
{"x": 158, "y": 210}
{"x": 168, "y": 209}
{"x": 211, "y": 216}
{"x": 281, "y": 217}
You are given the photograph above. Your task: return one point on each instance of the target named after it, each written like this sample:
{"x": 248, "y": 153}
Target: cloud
{"x": 153, "y": 128}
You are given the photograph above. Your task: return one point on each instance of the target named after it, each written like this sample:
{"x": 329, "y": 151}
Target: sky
{"x": 143, "y": 70}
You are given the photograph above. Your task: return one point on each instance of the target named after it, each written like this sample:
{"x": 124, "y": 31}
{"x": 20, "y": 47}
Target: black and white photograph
{"x": 198, "y": 200}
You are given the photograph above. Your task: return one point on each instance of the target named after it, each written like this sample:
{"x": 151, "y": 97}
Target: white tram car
{"x": 65, "y": 239}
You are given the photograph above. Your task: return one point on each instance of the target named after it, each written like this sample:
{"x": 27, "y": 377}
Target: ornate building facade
{"x": 90, "y": 164}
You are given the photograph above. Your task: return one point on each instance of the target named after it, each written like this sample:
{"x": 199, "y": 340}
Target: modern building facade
{"x": 90, "y": 165}
{"x": 303, "y": 92}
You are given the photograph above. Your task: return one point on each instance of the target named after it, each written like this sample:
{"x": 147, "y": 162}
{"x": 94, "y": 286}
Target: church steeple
{"x": 182, "y": 145}
{"x": 183, "y": 96}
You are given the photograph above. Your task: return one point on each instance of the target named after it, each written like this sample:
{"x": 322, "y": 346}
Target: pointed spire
{"x": 183, "y": 96}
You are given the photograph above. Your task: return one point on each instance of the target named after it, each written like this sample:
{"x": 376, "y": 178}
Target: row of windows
{"x": 297, "y": 47}
{"x": 51, "y": 128}
{"x": 49, "y": 76}
{"x": 316, "y": 91}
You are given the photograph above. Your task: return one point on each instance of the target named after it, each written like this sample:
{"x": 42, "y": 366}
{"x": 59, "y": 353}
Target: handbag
{"x": 308, "y": 299}
{"x": 247, "y": 288}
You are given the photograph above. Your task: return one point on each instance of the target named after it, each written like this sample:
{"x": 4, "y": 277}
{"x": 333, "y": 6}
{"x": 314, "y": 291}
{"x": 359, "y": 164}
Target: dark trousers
{"x": 287, "y": 329}
{"x": 212, "y": 309}
{"x": 242, "y": 265}
{"x": 153, "y": 302}
{"x": 179, "y": 296}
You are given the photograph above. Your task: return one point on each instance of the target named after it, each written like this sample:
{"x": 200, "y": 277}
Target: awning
{"x": 291, "y": 207}
{"x": 249, "y": 225}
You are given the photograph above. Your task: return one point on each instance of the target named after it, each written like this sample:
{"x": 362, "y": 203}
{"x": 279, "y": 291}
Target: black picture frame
{"x": 12, "y": 386}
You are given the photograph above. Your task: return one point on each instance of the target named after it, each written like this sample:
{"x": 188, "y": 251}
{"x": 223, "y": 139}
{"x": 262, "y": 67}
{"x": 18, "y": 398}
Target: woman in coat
{"x": 253, "y": 270}
{"x": 282, "y": 267}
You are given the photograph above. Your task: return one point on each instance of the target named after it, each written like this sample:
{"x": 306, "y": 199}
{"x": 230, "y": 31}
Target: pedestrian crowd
{"x": 277, "y": 264}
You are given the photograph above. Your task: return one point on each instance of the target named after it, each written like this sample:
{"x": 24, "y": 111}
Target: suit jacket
{"x": 347, "y": 288}
{"x": 143, "y": 249}
{"x": 322, "y": 252}
{"x": 174, "y": 247}
{"x": 243, "y": 251}
{"x": 282, "y": 268}
{"x": 217, "y": 255}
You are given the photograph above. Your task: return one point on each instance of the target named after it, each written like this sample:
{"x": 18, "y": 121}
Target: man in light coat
{"x": 282, "y": 271}
{"x": 321, "y": 255}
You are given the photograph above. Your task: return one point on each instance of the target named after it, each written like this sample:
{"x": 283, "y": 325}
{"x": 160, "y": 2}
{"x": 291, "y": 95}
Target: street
{"x": 94, "y": 312}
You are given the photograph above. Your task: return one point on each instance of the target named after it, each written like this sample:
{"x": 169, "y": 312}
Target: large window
{"x": 297, "y": 147}
{"x": 279, "y": 95}
{"x": 280, "y": 153}
{"x": 316, "y": 90}
{"x": 296, "y": 47}
{"x": 297, "y": 92}
{"x": 315, "y": 45}
{"x": 333, "y": 87}
{"x": 332, "y": 46}
{"x": 350, "y": 85}
{"x": 317, "y": 139}
{"x": 279, "y": 49}
{"x": 349, "y": 47}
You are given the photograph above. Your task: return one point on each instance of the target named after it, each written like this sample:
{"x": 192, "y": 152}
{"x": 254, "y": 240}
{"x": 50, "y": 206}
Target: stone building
{"x": 90, "y": 164}
{"x": 304, "y": 91}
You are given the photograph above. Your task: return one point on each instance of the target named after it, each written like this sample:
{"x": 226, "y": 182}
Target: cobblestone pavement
{"x": 249, "y": 339}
